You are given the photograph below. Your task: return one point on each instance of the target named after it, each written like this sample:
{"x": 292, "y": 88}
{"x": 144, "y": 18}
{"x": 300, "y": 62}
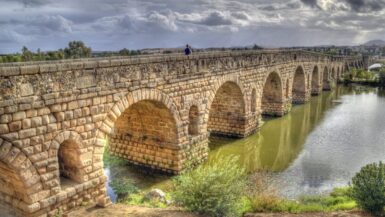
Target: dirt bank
{"x": 120, "y": 210}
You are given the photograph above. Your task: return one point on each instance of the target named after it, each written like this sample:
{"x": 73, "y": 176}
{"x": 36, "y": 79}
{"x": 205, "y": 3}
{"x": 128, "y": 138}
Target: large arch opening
{"x": 299, "y": 86}
{"x": 193, "y": 117}
{"x": 11, "y": 184}
{"x": 145, "y": 134}
{"x": 315, "y": 84}
{"x": 227, "y": 112}
{"x": 70, "y": 166}
{"x": 272, "y": 100}
{"x": 20, "y": 183}
{"x": 325, "y": 79}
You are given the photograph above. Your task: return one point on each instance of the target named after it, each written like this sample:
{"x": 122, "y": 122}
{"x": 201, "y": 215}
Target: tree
{"x": 381, "y": 77}
{"x": 256, "y": 47}
{"x": 26, "y": 55}
{"x": 124, "y": 52}
{"x": 135, "y": 52}
{"x": 77, "y": 49}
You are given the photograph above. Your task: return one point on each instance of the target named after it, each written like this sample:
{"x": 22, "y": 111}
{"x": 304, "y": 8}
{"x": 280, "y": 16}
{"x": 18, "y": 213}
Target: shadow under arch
{"x": 299, "y": 86}
{"x": 227, "y": 111}
{"x": 315, "y": 81}
{"x": 145, "y": 128}
{"x": 272, "y": 103}
{"x": 325, "y": 80}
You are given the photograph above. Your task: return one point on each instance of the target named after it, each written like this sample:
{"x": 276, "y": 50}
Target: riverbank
{"x": 121, "y": 210}
{"x": 371, "y": 83}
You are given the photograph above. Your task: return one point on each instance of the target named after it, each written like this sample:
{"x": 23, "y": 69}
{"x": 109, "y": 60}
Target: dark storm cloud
{"x": 311, "y": 3}
{"x": 366, "y": 5}
{"x": 114, "y": 24}
{"x": 30, "y": 3}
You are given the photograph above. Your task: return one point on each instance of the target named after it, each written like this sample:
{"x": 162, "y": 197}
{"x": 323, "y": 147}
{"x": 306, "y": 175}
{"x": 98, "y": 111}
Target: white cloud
{"x": 144, "y": 23}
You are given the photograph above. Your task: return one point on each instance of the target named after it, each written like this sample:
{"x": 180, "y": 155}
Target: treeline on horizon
{"x": 74, "y": 50}
{"x": 78, "y": 49}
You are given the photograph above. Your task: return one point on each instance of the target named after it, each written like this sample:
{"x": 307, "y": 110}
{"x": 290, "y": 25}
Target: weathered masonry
{"x": 155, "y": 111}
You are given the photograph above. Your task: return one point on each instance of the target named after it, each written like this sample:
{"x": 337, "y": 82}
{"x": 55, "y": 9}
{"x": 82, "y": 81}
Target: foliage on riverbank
{"x": 112, "y": 161}
{"x": 363, "y": 77}
{"x": 223, "y": 189}
{"x": 368, "y": 188}
{"x": 263, "y": 197}
{"x": 213, "y": 190}
{"x": 333, "y": 202}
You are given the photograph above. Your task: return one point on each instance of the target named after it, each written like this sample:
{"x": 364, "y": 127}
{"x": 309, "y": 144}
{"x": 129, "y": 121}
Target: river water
{"x": 316, "y": 147}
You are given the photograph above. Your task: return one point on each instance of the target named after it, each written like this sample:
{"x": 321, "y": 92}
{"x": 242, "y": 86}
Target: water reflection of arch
{"x": 279, "y": 141}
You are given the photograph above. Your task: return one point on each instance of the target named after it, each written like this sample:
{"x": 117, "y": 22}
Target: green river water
{"x": 316, "y": 147}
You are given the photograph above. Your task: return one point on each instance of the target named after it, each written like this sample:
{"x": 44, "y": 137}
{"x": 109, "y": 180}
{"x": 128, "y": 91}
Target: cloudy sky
{"x": 134, "y": 24}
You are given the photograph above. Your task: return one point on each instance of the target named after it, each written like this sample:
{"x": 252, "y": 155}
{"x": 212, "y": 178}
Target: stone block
{"x": 4, "y": 128}
{"x": 14, "y": 126}
{"x": 5, "y": 118}
{"x": 36, "y": 121}
{"x": 26, "y": 89}
{"x": 19, "y": 116}
{"x": 10, "y": 71}
{"x": 26, "y": 123}
{"x": 27, "y": 133}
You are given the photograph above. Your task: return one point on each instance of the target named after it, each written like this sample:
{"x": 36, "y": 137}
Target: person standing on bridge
{"x": 187, "y": 50}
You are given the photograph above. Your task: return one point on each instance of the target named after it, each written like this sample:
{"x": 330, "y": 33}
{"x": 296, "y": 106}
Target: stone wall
{"x": 56, "y": 118}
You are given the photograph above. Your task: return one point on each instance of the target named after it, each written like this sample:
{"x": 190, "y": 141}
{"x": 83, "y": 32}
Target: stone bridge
{"x": 56, "y": 118}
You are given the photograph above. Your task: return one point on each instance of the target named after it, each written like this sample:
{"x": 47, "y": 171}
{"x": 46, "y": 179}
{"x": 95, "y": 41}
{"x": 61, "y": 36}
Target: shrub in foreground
{"x": 214, "y": 190}
{"x": 338, "y": 200}
{"x": 368, "y": 188}
{"x": 123, "y": 187}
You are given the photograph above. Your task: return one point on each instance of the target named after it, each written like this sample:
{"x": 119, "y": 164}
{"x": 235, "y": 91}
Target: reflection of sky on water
{"x": 351, "y": 135}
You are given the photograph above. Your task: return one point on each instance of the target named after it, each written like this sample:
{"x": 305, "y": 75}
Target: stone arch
{"x": 193, "y": 117}
{"x": 325, "y": 79}
{"x": 145, "y": 128}
{"x": 19, "y": 179}
{"x": 220, "y": 82}
{"x": 272, "y": 95}
{"x": 72, "y": 158}
{"x": 299, "y": 86}
{"x": 227, "y": 111}
{"x": 315, "y": 81}
{"x": 133, "y": 97}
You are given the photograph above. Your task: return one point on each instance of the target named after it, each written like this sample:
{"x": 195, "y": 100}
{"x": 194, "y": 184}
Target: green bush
{"x": 112, "y": 161}
{"x": 123, "y": 187}
{"x": 368, "y": 188}
{"x": 214, "y": 190}
{"x": 339, "y": 199}
{"x": 381, "y": 77}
